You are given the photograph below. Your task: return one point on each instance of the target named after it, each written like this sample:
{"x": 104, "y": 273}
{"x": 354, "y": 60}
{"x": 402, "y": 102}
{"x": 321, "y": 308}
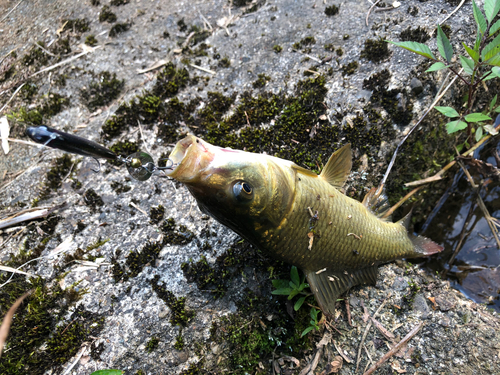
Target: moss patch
{"x": 331, "y": 10}
{"x": 77, "y": 25}
{"x": 44, "y": 320}
{"x": 179, "y": 314}
{"x": 350, "y": 68}
{"x": 119, "y": 28}
{"x": 102, "y": 91}
{"x": 261, "y": 81}
{"x": 375, "y": 50}
{"x": 418, "y": 34}
{"x": 106, "y": 15}
{"x": 152, "y": 344}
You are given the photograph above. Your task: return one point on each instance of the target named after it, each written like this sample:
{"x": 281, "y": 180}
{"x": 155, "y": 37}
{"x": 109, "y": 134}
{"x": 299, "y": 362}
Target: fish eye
{"x": 242, "y": 190}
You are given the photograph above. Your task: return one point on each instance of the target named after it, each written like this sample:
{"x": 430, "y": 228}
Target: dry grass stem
{"x": 7, "y": 320}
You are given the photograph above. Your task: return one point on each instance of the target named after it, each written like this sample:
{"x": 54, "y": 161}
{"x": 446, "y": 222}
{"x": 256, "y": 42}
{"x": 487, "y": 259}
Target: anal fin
{"x": 328, "y": 285}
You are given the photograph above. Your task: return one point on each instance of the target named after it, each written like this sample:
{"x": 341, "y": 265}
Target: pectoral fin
{"x": 328, "y": 285}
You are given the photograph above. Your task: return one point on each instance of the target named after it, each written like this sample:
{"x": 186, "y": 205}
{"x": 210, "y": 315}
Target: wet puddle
{"x": 459, "y": 222}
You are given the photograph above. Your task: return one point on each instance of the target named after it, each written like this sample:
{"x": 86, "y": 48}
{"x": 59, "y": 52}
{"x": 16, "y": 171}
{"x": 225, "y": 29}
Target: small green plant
{"x": 292, "y": 288}
{"x": 482, "y": 64}
{"x": 314, "y": 323}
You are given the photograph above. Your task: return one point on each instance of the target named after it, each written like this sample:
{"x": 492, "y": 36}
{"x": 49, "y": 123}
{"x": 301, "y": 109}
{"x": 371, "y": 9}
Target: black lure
{"x": 140, "y": 165}
{"x": 68, "y": 142}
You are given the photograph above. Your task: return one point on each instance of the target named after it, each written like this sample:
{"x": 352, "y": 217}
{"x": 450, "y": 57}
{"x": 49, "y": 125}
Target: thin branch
{"x": 12, "y": 97}
{"x": 452, "y": 13}
{"x": 395, "y": 349}
{"x": 370, "y": 10}
{"x": 7, "y": 15}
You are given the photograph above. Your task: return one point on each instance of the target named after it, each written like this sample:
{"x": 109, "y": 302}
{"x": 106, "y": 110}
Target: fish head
{"x": 250, "y": 193}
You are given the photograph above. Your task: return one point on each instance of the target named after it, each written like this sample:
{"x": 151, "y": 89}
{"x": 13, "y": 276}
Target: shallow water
{"x": 475, "y": 271}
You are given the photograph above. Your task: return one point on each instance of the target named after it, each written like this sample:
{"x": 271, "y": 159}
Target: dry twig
{"x": 370, "y": 10}
{"x": 395, "y": 349}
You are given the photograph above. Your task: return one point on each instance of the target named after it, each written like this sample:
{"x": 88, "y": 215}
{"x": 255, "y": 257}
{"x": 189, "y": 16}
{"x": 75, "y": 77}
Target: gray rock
{"x": 416, "y": 86}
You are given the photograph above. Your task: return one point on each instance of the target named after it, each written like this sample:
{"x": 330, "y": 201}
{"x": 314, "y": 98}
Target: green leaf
{"x": 490, "y": 129}
{"x": 418, "y": 48}
{"x": 475, "y": 117}
{"x": 444, "y": 45}
{"x": 495, "y": 27}
{"x": 473, "y": 54}
{"x": 306, "y": 331}
{"x": 479, "y": 37}
{"x": 293, "y": 293}
{"x": 492, "y": 103}
{"x": 294, "y": 274}
{"x": 447, "y": 111}
{"x": 478, "y": 16}
{"x": 491, "y": 49}
{"x": 108, "y": 372}
{"x": 282, "y": 291}
{"x": 479, "y": 134}
{"x": 497, "y": 109}
{"x": 467, "y": 64}
{"x": 436, "y": 66}
{"x": 303, "y": 286}
{"x": 494, "y": 61}
{"x": 314, "y": 314}
{"x": 487, "y": 76}
{"x": 496, "y": 71}
{"x": 299, "y": 303}
{"x": 491, "y": 8}
{"x": 455, "y": 126}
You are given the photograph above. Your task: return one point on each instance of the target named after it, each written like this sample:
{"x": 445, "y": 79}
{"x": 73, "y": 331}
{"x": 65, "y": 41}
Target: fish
{"x": 298, "y": 216}
{"x": 68, "y": 142}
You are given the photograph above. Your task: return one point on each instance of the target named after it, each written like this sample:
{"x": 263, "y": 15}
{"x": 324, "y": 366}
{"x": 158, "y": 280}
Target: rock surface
{"x": 138, "y": 302}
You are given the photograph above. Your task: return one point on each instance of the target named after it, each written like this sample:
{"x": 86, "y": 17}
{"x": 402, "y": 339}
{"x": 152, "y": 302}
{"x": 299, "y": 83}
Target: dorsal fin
{"x": 378, "y": 203}
{"x": 338, "y": 167}
{"x": 327, "y": 285}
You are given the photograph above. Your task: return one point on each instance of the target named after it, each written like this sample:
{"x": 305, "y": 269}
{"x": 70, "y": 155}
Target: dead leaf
{"x": 333, "y": 367}
{"x": 397, "y": 367}
{"x": 327, "y": 337}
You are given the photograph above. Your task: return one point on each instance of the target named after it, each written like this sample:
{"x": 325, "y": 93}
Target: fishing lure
{"x": 140, "y": 165}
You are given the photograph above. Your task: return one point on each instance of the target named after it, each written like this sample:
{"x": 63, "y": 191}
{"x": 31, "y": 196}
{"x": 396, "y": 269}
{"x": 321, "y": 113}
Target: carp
{"x": 297, "y": 216}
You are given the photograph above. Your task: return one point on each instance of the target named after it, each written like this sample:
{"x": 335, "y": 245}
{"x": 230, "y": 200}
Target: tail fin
{"x": 424, "y": 246}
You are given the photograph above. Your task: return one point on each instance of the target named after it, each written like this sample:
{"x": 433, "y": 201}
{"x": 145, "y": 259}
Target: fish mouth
{"x": 190, "y": 157}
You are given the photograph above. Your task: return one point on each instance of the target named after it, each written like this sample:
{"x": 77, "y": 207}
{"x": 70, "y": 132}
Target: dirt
{"x": 458, "y": 336}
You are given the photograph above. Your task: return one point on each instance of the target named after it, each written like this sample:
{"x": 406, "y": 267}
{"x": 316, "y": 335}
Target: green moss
{"x": 95, "y": 2}
{"x": 175, "y": 235}
{"x": 91, "y": 41}
{"x": 152, "y": 344}
{"x": 170, "y": 81}
{"x": 92, "y": 199}
{"x": 194, "y": 369}
{"x": 179, "y": 314}
{"x": 36, "y": 57}
{"x": 77, "y": 25}
{"x": 345, "y": 36}
{"x": 61, "y": 47}
{"x": 331, "y": 10}
{"x": 329, "y": 47}
{"x": 124, "y": 148}
{"x": 375, "y": 50}
{"x": 350, "y": 68}
{"x": 44, "y": 321}
{"x": 179, "y": 341}
{"x": 306, "y": 42}
{"x": 106, "y": 15}
{"x": 53, "y": 180}
{"x": 118, "y": 2}
{"x": 418, "y": 34}
{"x": 156, "y": 214}
{"x": 225, "y": 62}
{"x": 118, "y": 29}
{"x": 119, "y": 187}
{"x": 102, "y": 91}
{"x": 277, "y": 48}
{"x": 390, "y": 100}
{"x": 261, "y": 81}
